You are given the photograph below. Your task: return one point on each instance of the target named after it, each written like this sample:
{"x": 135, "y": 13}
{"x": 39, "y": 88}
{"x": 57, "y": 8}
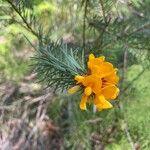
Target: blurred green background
{"x": 118, "y": 29}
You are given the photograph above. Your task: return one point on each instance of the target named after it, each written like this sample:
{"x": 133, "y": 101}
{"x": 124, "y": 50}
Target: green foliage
{"x": 108, "y": 28}
{"x": 12, "y": 65}
{"x": 137, "y": 114}
{"x": 57, "y": 65}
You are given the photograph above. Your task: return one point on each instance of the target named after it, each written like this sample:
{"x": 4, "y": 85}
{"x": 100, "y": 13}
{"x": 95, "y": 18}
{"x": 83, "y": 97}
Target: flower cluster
{"x": 99, "y": 84}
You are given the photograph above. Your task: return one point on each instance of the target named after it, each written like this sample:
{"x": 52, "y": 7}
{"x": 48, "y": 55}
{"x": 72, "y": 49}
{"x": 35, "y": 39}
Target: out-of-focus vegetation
{"x": 118, "y": 29}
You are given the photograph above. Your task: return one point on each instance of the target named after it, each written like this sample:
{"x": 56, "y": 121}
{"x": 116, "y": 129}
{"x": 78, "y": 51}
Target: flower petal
{"x": 105, "y": 69}
{"x": 79, "y": 78}
{"x": 100, "y": 68}
{"x": 90, "y": 80}
{"x": 88, "y": 91}
{"x": 94, "y": 82}
{"x": 74, "y": 89}
{"x": 91, "y": 56}
{"x": 116, "y": 94}
{"x": 102, "y": 58}
{"x": 97, "y": 87}
{"x": 83, "y": 102}
{"x": 102, "y": 103}
{"x": 95, "y": 62}
{"x": 110, "y": 92}
{"x": 112, "y": 78}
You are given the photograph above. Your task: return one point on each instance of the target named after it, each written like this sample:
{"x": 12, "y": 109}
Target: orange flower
{"x": 99, "y": 84}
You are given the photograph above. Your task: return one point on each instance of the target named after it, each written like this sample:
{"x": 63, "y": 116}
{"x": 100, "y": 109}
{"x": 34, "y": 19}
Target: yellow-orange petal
{"x": 95, "y": 62}
{"x": 112, "y": 78}
{"x": 97, "y": 86}
{"x": 90, "y": 80}
{"x": 79, "y": 78}
{"x": 110, "y": 91}
{"x": 105, "y": 69}
{"x": 91, "y": 56}
{"x": 116, "y": 94}
{"x": 102, "y": 69}
{"x": 83, "y": 102}
{"x": 88, "y": 91}
{"x": 95, "y": 70}
{"x": 102, "y": 103}
{"x": 116, "y": 69}
{"x": 101, "y": 58}
{"x": 74, "y": 89}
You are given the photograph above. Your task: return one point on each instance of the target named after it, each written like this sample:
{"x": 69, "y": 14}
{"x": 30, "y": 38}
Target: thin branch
{"x": 139, "y": 29}
{"x": 129, "y": 138}
{"x": 120, "y": 106}
{"x": 23, "y": 19}
{"x": 93, "y": 121}
{"x": 84, "y": 22}
{"x": 137, "y": 77}
{"x": 125, "y": 61}
{"x": 103, "y": 10}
